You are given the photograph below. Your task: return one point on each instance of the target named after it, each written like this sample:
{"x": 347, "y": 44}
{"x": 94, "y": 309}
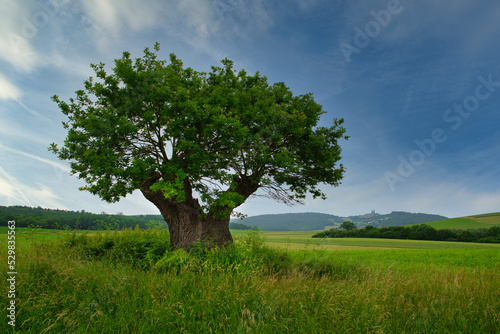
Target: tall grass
{"x": 120, "y": 283}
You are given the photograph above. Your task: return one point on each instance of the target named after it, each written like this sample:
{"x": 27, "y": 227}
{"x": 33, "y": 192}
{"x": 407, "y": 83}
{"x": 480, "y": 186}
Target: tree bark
{"x": 185, "y": 223}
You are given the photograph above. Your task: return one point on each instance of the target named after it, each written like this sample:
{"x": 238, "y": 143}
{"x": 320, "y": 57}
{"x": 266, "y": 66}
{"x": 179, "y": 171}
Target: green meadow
{"x": 268, "y": 282}
{"x": 472, "y": 222}
{"x": 304, "y": 241}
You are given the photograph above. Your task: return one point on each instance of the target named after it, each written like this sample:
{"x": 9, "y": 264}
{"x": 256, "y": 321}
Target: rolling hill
{"x": 319, "y": 221}
{"x": 293, "y": 221}
{"x": 469, "y": 222}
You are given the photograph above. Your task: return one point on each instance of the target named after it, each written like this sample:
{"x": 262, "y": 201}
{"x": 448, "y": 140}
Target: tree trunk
{"x": 187, "y": 227}
{"x": 184, "y": 222}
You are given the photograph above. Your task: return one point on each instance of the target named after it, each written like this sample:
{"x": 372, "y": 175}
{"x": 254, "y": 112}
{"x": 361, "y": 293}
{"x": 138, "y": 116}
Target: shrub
{"x": 489, "y": 240}
{"x": 320, "y": 235}
{"x": 140, "y": 248}
{"x": 175, "y": 261}
{"x": 445, "y": 234}
{"x": 467, "y": 236}
{"x": 150, "y": 249}
{"x": 494, "y": 232}
{"x": 375, "y": 233}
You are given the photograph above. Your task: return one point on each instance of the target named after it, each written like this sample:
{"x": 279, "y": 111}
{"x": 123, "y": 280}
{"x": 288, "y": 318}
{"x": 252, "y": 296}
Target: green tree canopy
{"x": 348, "y": 225}
{"x": 176, "y": 134}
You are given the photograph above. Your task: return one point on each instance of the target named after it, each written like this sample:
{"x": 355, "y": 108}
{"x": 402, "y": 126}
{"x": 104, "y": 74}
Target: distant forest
{"x": 417, "y": 232}
{"x": 62, "y": 219}
{"x": 395, "y": 218}
{"x": 318, "y": 221}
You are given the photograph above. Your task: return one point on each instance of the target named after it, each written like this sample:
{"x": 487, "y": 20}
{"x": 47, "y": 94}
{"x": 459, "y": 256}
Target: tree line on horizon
{"x": 64, "y": 219}
{"x": 415, "y": 232}
{"x": 82, "y": 220}
{"x": 310, "y": 221}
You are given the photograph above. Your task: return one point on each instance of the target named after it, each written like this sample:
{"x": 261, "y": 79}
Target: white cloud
{"x": 31, "y": 111}
{"x": 18, "y": 32}
{"x": 452, "y": 199}
{"x": 205, "y": 25}
{"x": 443, "y": 198}
{"x": 198, "y": 15}
{"x": 17, "y": 132}
{"x": 8, "y": 90}
{"x": 8, "y": 188}
{"x": 114, "y": 15}
{"x": 17, "y": 174}
{"x": 14, "y": 192}
{"x": 109, "y": 21}
{"x": 57, "y": 165}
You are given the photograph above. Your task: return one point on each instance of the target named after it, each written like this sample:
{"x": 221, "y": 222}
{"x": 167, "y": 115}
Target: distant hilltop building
{"x": 368, "y": 215}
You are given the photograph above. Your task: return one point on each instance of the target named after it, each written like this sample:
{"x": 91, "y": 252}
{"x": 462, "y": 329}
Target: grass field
{"x": 473, "y": 222}
{"x": 488, "y": 215}
{"x": 304, "y": 241}
{"x": 487, "y": 219}
{"x": 304, "y": 286}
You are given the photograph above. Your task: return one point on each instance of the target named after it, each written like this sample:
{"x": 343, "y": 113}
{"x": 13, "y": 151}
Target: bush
{"x": 467, "y": 236}
{"x": 320, "y": 235}
{"x": 175, "y": 262}
{"x": 140, "y": 248}
{"x": 150, "y": 249}
{"x": 494, "y": 232}
{"x": 388, "y": 235}
{"x": 374, "y": 233}
{"x": 445, "y": 234}
{"x": 489, "y": 240}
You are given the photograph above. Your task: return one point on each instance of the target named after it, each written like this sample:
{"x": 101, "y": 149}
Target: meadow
{"x": 470, "y": 222}
{"x": 280, "y": 282}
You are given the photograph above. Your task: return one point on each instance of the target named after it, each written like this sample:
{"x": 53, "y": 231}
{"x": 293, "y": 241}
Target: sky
{"x": 416, "y": 81}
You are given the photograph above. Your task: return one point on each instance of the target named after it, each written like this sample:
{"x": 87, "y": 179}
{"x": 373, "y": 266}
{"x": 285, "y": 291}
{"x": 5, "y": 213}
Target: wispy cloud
{"x": 443, "y": 197}
{"x": 32, "y": 112}
{"x": 14, "y": 192}
{"x": 14, "y": 132}
{"x": 394, "y": 92}
{"x": 17, "y": 35}
{"x": 207, "y": 26}
{"x": 57, "y": 165}
{"x": 108, "y": 21}
{"x": 11, "y": 190}
{"x": 8, "y": 90}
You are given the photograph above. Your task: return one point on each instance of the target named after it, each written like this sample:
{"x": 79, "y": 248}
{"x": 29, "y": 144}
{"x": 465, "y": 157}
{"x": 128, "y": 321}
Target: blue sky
{"x": 417, "y": 82}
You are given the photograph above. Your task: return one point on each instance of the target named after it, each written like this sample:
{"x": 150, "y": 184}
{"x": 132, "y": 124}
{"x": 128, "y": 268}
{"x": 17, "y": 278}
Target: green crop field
{"x": 472, "y": 222}
{"x": 269, "y": 282}
{"x": 304, "y": 241}
{"x": 487, "y": 219}
{"x": 488, "y": 215}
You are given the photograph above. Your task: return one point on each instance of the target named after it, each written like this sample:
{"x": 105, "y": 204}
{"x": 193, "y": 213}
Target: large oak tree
{"x": 197, "y": 145}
